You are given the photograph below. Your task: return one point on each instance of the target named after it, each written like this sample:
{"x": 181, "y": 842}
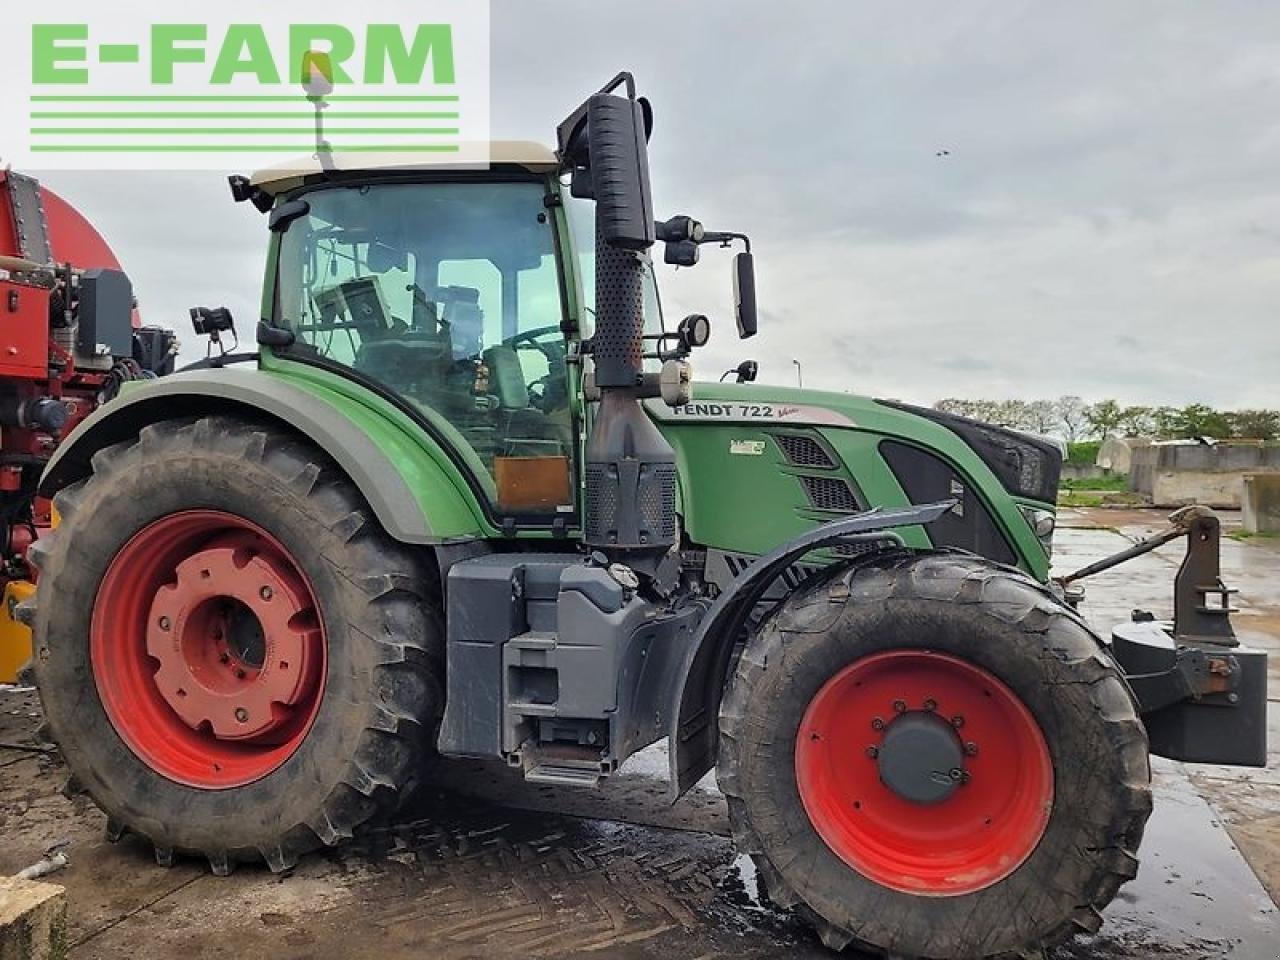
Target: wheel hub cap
{"x": 922, "y": 758}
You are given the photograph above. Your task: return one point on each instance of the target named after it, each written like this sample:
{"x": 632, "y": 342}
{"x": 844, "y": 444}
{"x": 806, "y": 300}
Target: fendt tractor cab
{"x": 464, "y": 500}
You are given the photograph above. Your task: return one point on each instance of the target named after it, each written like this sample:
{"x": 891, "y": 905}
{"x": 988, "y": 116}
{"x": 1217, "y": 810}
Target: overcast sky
{"x": 1105, "y": 220}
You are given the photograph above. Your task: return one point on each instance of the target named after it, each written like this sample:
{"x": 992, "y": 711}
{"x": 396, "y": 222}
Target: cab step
{"x": 563, "y": 765}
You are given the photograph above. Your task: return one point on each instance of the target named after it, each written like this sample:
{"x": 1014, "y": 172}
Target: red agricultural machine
{"x": 69, "y": 337}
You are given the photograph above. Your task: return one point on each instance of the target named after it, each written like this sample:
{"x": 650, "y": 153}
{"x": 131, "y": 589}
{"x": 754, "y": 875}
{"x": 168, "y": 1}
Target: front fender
{"x": 696, "y": 702}
{"x": 413, "y": 497}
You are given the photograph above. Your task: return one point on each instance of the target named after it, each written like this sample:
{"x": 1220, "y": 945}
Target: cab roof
{"x": 282, "y": 177}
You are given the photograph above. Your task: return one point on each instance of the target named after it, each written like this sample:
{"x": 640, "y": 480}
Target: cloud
{"x": 1105, "y": 221}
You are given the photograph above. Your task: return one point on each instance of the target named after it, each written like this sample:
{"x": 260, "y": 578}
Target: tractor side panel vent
{"x": 658, "y": 502}
{"x": 861, "y": 547}
{"x": 602, "y": 504}
{"x": 655, "y": 507}
{"x": 832, "y": 494}
{"x": 802, "y": 451}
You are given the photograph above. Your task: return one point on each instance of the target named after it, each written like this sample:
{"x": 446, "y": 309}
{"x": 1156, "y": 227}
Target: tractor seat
{"x": 519, "y": 422}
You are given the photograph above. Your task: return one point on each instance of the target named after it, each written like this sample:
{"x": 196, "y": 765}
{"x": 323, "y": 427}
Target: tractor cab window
{"x": 582, "y": 224}
{"x": 448, "y": 294}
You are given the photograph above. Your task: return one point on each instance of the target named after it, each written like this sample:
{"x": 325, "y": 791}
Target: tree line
{"x": 1074, "y": 420}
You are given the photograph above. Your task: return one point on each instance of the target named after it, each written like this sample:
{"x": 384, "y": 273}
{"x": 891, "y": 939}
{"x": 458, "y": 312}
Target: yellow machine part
{"x": 15, "y": 639}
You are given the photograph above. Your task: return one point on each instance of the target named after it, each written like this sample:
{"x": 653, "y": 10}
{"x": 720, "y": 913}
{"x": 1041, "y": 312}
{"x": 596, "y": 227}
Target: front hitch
{"x": 1202, "y": 695}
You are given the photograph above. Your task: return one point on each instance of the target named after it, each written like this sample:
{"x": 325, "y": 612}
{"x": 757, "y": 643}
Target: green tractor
{"x": 463, "y": 501}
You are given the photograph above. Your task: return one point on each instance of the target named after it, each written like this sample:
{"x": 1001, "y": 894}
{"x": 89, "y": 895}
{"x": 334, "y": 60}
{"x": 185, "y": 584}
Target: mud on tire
{"x": 378, "y": 605}
{"x": 1009, "y": 626}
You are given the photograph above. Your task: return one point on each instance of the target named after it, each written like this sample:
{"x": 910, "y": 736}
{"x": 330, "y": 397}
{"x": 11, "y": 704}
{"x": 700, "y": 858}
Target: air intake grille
{"x": 651, "y": 524}
{"x": 658, "y": 503}
{"x": 861, "y": 547}
{"x": 830, "y": 493}
{"x": 802, "y": 451}
{"x": 602, "y": 505}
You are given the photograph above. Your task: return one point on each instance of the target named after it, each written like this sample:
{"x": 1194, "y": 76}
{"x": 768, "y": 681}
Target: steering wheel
{"x": 531, "y": 337}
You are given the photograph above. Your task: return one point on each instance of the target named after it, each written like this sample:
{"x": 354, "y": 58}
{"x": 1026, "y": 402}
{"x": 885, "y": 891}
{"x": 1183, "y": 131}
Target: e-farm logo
{"x": 406, "y": 81}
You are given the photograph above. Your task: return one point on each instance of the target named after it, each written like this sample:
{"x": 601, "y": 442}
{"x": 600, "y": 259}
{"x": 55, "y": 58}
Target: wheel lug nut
{"x": 266, "y": 593}
{"x": 239, "y": 673}
{"x": 164, "y": 623}
{"x": 957, "y": 721}
{"x": 899, "y": 706}
{"x": 242, "y": 714}
{"x": 971, "y": 749}
{"x": 931, "y": 705}
{"x": 224, "y": 657}
{"x": 877, "y": 724}
{"x": 873, "y": 752}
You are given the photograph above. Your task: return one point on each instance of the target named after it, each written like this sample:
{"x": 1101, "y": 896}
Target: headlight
{"x": 1042, "y": 522}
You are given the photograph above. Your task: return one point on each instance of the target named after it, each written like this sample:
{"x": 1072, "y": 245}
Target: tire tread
{"x": 399, "y": 587}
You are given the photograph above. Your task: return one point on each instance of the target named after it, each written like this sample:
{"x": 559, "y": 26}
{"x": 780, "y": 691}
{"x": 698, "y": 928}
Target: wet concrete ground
{"x": 494, "y": 868}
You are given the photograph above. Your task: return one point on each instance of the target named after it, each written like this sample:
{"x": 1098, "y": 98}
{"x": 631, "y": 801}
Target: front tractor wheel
{"x": 234, "y": 658}
{"x": 928, "y": 756}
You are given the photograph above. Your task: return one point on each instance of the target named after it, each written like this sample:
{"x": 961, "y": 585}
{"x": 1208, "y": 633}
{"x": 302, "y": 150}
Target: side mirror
{"x": 744, "y": 294}
{"x": 747, "y": 371}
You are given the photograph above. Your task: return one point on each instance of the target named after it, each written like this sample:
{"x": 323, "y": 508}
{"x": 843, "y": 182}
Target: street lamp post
{"x": 799, "y": 374}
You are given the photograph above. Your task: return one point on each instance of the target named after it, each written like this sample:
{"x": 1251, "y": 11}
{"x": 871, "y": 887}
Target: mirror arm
{"x": 726, "y": 238}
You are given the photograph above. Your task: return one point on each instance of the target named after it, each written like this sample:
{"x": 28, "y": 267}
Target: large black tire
{"x": 378, "y": 602}
{"x": 1015, "y": 630}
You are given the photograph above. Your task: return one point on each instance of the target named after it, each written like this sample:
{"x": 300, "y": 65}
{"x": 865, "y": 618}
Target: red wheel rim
{"x": 996, "y": 804}
{"x": 207, "y": 649}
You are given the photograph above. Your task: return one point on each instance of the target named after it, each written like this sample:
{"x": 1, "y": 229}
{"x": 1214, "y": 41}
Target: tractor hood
{"x": 791, "y": 459}
{"x": 1027, "y": 465}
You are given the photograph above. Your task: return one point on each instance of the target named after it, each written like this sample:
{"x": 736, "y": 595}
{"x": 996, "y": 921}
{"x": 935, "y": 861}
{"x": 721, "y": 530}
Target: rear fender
{"x": 413, "y": 497}
{"x": 695, "y": 704}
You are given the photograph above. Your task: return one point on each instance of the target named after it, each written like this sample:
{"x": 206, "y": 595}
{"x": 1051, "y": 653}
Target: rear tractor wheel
{"x": 928, "y": 756}
{"x": 234, "y": 659}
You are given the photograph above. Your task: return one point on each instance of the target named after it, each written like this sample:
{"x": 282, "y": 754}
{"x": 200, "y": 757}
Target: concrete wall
{"x": 1262, "y": 503}
{"x": 1178, "y": 473}
{"x": 1116, "y": 453}
{"x": 1075, "y": 471}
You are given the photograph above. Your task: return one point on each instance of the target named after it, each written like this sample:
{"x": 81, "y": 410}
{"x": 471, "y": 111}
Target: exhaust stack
{"x": 630, "y": 510}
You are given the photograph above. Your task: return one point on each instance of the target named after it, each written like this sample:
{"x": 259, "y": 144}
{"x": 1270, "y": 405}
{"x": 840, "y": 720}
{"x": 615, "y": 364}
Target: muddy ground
{"x": 491, "y": 867}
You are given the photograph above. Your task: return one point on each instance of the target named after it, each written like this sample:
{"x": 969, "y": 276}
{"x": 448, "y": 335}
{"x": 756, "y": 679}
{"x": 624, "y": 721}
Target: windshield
{"x": 582, "y": 224}
{"x": 448, "y": 294}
